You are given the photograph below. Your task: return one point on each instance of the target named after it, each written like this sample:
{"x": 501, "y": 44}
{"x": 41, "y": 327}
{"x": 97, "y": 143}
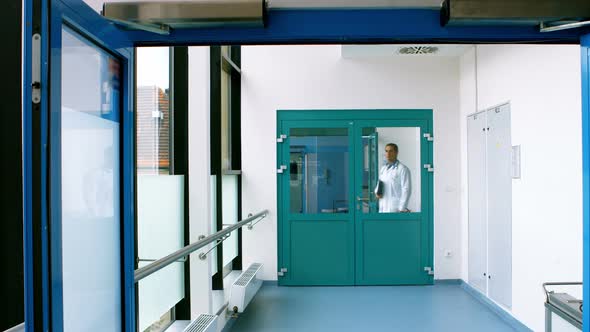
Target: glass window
{"x": 153, "y": 110}
{"x": 90, "y": 185}
{"x": 213, "y": 191}
{"x": 228, "y": 142}
{"x": 160, "y": 194}
{"x": 391, "y": 170}
{"x": 225, "y": 114}
{"x": 318, "y": 168}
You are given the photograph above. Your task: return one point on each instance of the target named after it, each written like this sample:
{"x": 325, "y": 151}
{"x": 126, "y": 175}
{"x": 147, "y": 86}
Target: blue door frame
{"x": 283, "y": 26}
{"x": 585, "y": 48}
{"x": 42, "y": 167}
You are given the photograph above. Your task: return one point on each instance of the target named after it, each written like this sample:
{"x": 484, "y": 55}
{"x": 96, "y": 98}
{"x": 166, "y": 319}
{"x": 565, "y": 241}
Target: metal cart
{"x": 563, "y": 312}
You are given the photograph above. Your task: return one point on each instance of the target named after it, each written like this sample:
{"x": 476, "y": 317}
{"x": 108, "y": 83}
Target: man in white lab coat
{"x": 394, "y": 188}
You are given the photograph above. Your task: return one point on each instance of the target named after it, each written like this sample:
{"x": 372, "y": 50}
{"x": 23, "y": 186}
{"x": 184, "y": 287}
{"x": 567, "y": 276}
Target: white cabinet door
{"x": 476, "y": 151}
{"x": 499, "y": 149}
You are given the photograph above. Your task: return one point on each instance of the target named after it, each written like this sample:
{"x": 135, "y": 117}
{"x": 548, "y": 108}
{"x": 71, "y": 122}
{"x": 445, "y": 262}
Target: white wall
{"x": 542, "y": 84}
{"x": 316, "y": 77}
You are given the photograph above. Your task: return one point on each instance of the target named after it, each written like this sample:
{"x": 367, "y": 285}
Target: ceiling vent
{"x": 411, "y": 50}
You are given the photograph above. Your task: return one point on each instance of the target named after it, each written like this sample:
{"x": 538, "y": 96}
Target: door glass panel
{"x": 90, "y": 157}
{"x": 391, "y": 170}
{"x": 318, "y": 168}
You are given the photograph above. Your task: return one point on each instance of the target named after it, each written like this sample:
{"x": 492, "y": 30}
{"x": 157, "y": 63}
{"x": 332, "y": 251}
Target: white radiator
{"x": 203, "y": 323}
{"x": 244, "y": 288}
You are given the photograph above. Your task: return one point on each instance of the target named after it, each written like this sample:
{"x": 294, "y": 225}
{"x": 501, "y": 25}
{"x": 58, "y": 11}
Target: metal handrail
{"x": 183, "y": 252}
{"x": 545, "y": 284}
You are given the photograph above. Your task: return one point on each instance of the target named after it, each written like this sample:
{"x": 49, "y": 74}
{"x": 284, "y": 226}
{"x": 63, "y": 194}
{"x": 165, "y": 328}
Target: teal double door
{"x": 332, "y": 227}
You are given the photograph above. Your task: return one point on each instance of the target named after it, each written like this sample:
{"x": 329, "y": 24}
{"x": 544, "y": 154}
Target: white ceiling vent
{"x": 403, "y": 50}
{"x": 410, "y": 50}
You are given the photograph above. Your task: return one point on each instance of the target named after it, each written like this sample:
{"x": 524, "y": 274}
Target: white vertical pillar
{"x": 199, "y": 176}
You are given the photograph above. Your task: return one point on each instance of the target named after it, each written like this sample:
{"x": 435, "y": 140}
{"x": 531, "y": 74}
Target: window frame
{"x": 230, "y": 64}
{"x": 178, "y": 161}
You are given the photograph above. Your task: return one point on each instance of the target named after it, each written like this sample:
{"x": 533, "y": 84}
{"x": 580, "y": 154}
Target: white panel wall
{"x": 543, "y": 85}
{"x": 477, "y": 246}
{"x": 316, "y": 77}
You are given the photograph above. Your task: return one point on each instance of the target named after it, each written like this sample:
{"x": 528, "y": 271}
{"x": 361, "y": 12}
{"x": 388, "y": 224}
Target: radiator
{"x": 203, "y": 323}
{"x": 244, "y": 288}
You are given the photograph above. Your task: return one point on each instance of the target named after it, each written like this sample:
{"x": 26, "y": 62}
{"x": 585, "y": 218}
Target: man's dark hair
{"x": 393, "y": 145}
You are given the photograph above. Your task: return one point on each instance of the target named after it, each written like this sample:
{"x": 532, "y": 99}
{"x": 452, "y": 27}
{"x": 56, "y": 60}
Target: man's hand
{"x": 379, "y": 196}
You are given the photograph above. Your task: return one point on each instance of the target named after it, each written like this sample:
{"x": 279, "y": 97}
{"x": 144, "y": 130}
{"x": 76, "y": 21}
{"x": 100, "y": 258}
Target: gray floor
{"x": 442, "y": 307}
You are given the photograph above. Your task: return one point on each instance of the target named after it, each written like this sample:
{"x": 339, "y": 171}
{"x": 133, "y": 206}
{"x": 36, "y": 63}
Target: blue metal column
{"x": 27, "y": 165}
{"x": 585, "y": 48}
{"x": 35, "y": 119}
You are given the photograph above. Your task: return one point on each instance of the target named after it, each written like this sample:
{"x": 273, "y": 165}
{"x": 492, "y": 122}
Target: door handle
{"x": 362, "y": 199}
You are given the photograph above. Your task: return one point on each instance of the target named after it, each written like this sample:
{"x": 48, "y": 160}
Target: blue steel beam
{"x": 306, "y": 26}
{"x": 328, "y": 26}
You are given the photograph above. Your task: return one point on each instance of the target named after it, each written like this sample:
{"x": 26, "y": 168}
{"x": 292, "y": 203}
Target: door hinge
{"x": 428, "y": 137}
{"x": 282, "y": 272}
{"x": 281, "y": 169}
{"x": 281, "y": 138}
{"x": 429, "y": 167}
{"x": 429, "y": 270}
{"x": 36, "y": 69}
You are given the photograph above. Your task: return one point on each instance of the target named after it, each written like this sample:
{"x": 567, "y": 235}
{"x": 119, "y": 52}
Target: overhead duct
{"x": 161, "y": 17}
{"x": 514, "y": 12}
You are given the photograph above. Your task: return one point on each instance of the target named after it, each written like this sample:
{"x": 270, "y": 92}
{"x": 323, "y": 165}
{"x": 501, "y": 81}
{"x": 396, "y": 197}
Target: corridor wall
{"x": 542, "y": 84}
{"x": 317, "y": 77}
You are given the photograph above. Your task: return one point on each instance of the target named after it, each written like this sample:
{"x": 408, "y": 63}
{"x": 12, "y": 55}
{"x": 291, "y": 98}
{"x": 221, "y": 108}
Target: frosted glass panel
{"x": 214, "y": 220}
{"x": 90, "y": 187}
{"x": 499, "y": 154}
{"x": 229, "y": 185}
{"x": 160, "y": 231}
{"x": 477, "y": 206}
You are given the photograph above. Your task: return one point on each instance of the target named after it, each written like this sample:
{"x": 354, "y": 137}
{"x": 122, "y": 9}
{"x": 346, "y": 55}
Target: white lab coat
{"x": 396, "y": 188}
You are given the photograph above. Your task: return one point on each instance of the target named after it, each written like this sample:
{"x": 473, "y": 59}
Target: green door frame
{"x": 384, "y": 269}
{"x": 341, "y": 271}
{"x": 352, "y": 119}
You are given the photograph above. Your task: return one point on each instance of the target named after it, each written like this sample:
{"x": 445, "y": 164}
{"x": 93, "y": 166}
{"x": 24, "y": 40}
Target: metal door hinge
{"x": 429, "y": 270}
{"x": 281, "y": 169}
{"x": 428, "y": 137}
{"x": 429, "y": 167}
{"x": 281, "y": 138}
{"x": 282, "y": 272}
{"x": 36, "y": 69}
